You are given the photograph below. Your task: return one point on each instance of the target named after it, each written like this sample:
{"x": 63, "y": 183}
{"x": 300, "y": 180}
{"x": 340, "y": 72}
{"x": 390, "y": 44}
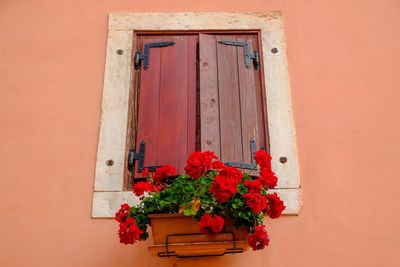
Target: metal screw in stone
{"x": 283, "y": 160}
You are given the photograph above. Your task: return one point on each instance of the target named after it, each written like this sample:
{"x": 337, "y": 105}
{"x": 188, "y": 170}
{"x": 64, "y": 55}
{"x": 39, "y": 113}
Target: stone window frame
{"x": 109, "y": 191}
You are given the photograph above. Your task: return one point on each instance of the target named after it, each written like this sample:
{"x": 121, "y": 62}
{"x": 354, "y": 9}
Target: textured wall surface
{"x": 344, "y": 69}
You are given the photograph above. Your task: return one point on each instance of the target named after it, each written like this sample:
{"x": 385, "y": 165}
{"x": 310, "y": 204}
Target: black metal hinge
{"x": 145, "y": 56}
{"x": 133, "y": 156}
{"x": 247, "y": 54}
{"x": 242, "y": 165}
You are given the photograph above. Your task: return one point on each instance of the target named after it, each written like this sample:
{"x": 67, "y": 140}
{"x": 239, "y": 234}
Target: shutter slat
{"x": 229, "y": 101}
{"x": 209, "y": 100}
{"x": 148, "y": 109}
{"x": 192, "y": 94}
{"x": 248, "y": 100}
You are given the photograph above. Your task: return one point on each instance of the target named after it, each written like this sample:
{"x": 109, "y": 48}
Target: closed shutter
{"x": 166, "y": 119}
{"x": 231, "y": 107}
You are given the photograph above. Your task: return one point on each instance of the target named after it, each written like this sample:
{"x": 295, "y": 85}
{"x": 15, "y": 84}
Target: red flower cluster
{"x": 123, "y": 213}
{"x": 275, "y": 206}
{"x": 157, "y": 179}
{"x": 267, "y": 176}
{"x": 211, "y": 224}
{"x": 217, "y": 165}
{"x": 232, "y": 173}
{"x": 253, "y": 186}
{"x": 256, "y": 201}
{"x": 164, "y": 172}
{"x": 199, "y": 163}
{"x": 145, "y": 172}
{"x": 129, "y": 232}
{"x": 263, "y": 159}
{"x": 142, "y": 187}
{"x": 259, "y": 239}
{"x": 225, "y": 183}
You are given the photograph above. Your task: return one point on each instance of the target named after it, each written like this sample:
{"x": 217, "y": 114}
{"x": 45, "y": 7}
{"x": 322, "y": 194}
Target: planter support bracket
{"x": 168, "y": 253}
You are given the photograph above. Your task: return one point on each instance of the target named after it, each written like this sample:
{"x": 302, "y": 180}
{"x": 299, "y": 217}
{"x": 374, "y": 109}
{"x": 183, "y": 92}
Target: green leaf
{"x": 237, "y": 203}
{"x": 189, "y": 211}
{"x": 242, "y": 189}
{"x": 144, "y": 236}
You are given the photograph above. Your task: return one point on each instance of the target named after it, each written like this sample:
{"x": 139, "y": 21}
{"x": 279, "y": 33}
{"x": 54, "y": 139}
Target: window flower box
{"x": 179, "y": 235}
{"x": 213, "y": 209}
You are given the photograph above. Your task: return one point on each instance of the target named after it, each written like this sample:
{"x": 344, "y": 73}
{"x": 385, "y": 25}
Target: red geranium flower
{"x": 253, "y": 186}
{"x": 199, "y": 163}
{"x": 164, "y": 172}
{"x": 222, "y": 188}
{"x": 268, "y": 178}
{"x": 225, "y": 183}
{"x": 256, "y": 201}
{"x": 142, "y": 187}
{"x": 217, "y": 165}
{"x": 129, "y": 232}
{"x": 275, "y": 206}
{"x": 232, "y": 173}
{"x": 123, "y": 213}
{"x": 263, "y": 159}
{"x": 211, "y": 224}
{"x": 259, "y": 239}
{"x": 145, "y": 172}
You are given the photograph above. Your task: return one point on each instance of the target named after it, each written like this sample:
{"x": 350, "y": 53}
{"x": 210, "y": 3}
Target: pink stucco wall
{"x": 344, "y": 67}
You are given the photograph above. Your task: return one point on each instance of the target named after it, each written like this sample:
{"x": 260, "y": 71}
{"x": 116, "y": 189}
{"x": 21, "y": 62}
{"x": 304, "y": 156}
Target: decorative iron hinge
{"x": 133, "y": 156}
{"x": 242, "y": 165}
{"x": 145, "y": 56}
{"x": 247, "y": 54}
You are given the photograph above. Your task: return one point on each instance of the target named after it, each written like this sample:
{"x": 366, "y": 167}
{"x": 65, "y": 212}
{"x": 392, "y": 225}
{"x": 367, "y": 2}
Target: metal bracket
{"x": 133, "y": 156}
{"x": 168, "y": 253}
{"x": 145, "y": 56}
{"x": 247, "y": 54}
{"x": 242, "y": 165}
{"x": 253, "y": 148}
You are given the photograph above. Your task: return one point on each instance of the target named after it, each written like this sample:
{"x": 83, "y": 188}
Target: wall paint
{"x": 343, "y": 63}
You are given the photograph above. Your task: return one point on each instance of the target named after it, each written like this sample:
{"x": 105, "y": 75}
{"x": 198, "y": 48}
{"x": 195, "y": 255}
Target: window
{"x": 199, "y": 93}
{"x": 196, "y": 92}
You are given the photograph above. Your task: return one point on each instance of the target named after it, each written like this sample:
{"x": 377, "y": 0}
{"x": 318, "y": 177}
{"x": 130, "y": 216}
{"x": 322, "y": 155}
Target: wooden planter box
{"x": 178, "y": 235}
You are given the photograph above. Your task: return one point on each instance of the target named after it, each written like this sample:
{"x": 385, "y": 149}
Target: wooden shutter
{"x": 166, "y": 119}
{"x": 231, "y": 106}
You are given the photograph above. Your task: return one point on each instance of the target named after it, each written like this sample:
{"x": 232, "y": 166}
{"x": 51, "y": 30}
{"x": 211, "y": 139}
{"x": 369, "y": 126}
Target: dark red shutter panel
{"x": 230, "y": 99}
{"x": 167, "y": 102}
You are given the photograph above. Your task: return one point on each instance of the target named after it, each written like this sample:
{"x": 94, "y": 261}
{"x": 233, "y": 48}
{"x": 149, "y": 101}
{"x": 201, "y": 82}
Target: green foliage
{"x": 191, "y": 197}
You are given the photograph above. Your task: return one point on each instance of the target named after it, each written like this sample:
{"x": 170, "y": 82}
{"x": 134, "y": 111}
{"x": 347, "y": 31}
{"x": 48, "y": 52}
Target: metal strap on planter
{"x": 168, "y": 253}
